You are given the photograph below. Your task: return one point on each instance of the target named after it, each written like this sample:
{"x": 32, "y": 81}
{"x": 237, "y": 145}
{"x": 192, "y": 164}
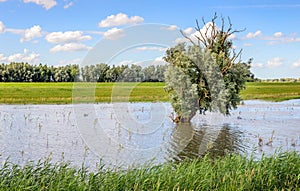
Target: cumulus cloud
{"x": 170, "y": 28}
{"x": 278, "y": 34}
{"x": 2, "y": 27}
{"x": 206, "y": 31}
{"x": 113, "y": 34}
{"x": 144, "y": 48}
{"x": 32, "y": 58}
{"x": 31, "y": 33}
{"x": 275, "y": 62}
{"x": 70, "y": 47}
{"x": 254, "y": 35}
{"x": 47, "y": 4}
{"x": 189, "y": 30}
{"x": 297, "y": 63}
{"x": 120, "y": 19}
{"x": 257, "y": 65}
{"x": 126, "y": 62}
{"x": 232, "y": 37}
{"x": 159, "y": 61}
{"x": 66, "y": 37}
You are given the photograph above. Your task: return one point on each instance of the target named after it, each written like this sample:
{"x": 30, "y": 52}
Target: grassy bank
{"x": 280, "y": 172}
{"x": 271, "y": 91}
{"x": 61, "y": 93}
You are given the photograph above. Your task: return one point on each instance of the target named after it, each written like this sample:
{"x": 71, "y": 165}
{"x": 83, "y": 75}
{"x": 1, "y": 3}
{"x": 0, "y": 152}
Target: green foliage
{"x": 232, "y": 172}
{"x": 204, "y": 76}
{"x": 24, "y": 72}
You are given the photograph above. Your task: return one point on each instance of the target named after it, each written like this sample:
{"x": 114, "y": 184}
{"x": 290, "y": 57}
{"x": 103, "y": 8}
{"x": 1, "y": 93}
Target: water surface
{"x": 126, "y": 134}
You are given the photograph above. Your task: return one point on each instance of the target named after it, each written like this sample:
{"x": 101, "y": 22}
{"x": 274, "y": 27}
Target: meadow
{"x": 61, "y": 93}
{"x": 232, "y": 172}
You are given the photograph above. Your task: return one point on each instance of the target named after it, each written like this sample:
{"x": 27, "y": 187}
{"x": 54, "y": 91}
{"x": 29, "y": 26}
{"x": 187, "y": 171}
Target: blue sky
{"x": 59, "y": 32}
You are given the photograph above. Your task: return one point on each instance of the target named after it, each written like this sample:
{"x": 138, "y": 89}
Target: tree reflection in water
{"x": 192, "y": 141}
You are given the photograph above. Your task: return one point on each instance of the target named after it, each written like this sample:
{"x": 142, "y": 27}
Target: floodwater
{"x": 126, "y": 134}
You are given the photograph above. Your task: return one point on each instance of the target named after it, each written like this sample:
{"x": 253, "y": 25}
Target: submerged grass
{"x": 65, "y": 93}
{"x": 233, "y": 172}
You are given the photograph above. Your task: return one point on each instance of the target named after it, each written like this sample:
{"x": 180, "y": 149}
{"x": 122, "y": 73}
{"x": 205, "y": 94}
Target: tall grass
{"x": 278, "y": 172}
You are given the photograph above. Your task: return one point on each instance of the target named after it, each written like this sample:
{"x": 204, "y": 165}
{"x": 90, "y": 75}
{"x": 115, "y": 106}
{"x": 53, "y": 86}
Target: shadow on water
{"x": 191, "y": 141}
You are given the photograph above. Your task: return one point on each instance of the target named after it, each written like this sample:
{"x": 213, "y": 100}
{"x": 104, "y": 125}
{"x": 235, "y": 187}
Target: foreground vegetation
{"x": 61, "y": 93}
{"x": 279, "y": 172}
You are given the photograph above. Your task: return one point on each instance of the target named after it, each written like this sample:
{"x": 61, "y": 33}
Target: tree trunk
{"x": 180, "y": 119}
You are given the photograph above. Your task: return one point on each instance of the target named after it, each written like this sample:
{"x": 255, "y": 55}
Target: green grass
{"x": 279, "y": 172}
{"x": 62, "y": 93}
{"x": 271, "y": 91}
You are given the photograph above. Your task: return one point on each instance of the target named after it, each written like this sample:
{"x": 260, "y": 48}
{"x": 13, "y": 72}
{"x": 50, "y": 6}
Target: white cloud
{"x": 120, "y": 19}
{"x": 234, "y": 46}
{"x": 14, "y": 31}
{"x": 2, "y": 27}
{"x": 188, "y": 31}
{"x": 275, "y": 62}
{"x": 159, "y": 61}
{"x": 113, "y": 34}
{"x": 67, "y": 37}
{"x": 181, "y": 40}
{"x": 232, "y": 37}
{"x": 144, "y": 48}
{"x": 297, "y": 63}
{"x": 206, "y": 31}
{"x": 70, "y": 47}
{"x": 68, "y": 5}
{"x": 126, "y": 62}
{"x": 2, "y": 1}
{"x": 254, "y": 35}
{"x": 47, "y": 4}
{"x": 257, "y": 65}
{"x": 170, "y": 28}
{"x": 32, "y": 58}
{"x": 33, "y": 32}
{"x": 278, "y": 34}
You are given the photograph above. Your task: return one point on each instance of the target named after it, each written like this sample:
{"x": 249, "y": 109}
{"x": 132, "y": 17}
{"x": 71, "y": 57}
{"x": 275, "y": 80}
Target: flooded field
{"x": 125, "y": 134}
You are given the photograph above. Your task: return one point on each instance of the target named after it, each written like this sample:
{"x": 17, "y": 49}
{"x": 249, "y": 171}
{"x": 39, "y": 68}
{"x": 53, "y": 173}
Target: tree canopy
{"x": 205, "y": 75}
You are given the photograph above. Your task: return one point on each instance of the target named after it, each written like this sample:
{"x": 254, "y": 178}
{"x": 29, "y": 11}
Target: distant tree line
{"x": 24, "y": 72}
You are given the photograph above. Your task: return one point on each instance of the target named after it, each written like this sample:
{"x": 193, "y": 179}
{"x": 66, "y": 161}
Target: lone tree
{"x": 205, "y": 75}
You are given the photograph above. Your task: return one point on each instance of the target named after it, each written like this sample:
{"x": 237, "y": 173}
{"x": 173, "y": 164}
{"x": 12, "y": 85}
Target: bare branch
{"x": 187, "y": 37}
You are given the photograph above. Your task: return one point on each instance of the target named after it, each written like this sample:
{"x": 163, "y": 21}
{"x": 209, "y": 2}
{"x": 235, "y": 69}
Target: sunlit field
{"x": 61, "y": 93}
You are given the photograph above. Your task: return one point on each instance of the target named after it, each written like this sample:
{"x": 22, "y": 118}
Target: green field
{"x": 62, "y": 93}
{"x": 232, "y": 172}
{"x": 271, "y": 91}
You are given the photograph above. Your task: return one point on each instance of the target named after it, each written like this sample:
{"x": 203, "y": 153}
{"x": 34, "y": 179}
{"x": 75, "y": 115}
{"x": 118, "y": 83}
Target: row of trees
{"x": 24, "y": 72}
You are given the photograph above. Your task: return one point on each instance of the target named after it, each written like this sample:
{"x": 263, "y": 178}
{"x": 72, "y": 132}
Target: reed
{"x": 232, "y": 172}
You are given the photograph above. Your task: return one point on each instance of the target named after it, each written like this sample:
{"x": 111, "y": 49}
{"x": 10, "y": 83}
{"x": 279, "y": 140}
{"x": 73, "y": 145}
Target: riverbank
{"x": 279, "y": 172}
{"x": 63, "y": 93}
